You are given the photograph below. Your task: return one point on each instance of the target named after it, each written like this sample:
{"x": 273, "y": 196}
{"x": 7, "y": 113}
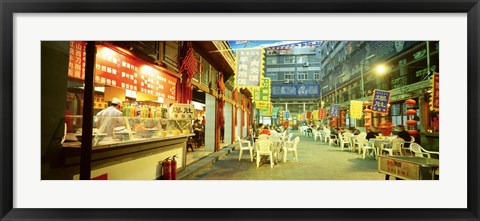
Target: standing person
{"x": 110, "y": 116}
{"x": 203, "y": 122}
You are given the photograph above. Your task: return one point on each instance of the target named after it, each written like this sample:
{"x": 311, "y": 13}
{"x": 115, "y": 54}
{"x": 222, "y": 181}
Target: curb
{"x": 203, "y": 164}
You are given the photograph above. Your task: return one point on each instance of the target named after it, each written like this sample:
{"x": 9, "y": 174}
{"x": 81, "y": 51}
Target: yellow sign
{"x": 261, "y": 105}
{"x": 356, "y": 109}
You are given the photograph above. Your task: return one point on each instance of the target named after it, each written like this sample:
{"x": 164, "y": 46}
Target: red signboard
{"x": 76, "y": 63}
{"x": 123, "y": 71}
{"x": 436, "y": 91}
{"x": 322, "y": 113}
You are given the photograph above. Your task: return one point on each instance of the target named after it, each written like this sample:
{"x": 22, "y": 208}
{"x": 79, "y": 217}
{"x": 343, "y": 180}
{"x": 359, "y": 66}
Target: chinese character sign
{"x": 76, "y": 62}
{"x": 261, "y": 105}
{"x": 435, "y": 96}
{"x": 380, "y": 101}
{"x": 286, "y": 114}
{"x": 322, "y": 113}
{"x": 356, "y": 109}
{"x": 249, "y": 68}
{"x": 334, "y": 109}
{"x": 262, "y": 94}
{"x": 181, "y": 112}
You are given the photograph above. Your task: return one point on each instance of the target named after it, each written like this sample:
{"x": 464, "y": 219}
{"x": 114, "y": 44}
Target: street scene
{"x": 240, "y": 110}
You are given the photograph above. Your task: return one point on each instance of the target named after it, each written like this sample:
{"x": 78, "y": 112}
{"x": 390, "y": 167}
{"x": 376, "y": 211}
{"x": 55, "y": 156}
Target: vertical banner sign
{"x": 356, "y": 109}
{"x": 322, "y": 113}
{"x": 435, "y": 96}
{"x": 262, "y": 93}
{"x": 380, "y": 101}
{"x": 76, "y": 62}
{"x": 286, "y": 115}
{"x": 334, "y": 109}
{"x": 249, "y": 68}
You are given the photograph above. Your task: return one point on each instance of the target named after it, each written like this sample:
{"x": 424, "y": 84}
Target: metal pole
{"x": 428, "y": 58}
{"x": 362, "y": 89}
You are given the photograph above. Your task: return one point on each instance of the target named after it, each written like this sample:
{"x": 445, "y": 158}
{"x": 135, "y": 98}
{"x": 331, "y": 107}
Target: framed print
{"x": 28, "y": 25}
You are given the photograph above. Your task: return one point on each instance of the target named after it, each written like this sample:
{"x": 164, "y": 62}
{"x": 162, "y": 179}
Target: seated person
{"x": 264, "y": 130}
{"x": 372, "y": 133}
{"x": 402, "y": 133}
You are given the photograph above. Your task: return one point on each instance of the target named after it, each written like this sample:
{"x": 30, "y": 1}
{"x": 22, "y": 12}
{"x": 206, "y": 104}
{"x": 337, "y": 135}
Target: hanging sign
{"x": 380, "y": 101}
{"x": 322, "y": 113}
{"x": 356, "y": 109}
{"x": 249, "y": 68}
{"x": 181, "y": 111}
{"x": 261, "y": 105}
{"x": 334, "y": 109}
{"x": 286, "y": 114}
{"x": 76, "y": 62}
{"x": 262, "y": 94}
{"x": 435, "y": 95}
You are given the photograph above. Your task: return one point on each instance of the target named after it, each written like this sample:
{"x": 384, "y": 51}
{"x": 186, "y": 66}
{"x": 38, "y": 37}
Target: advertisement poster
{"x": 249, "y": 68}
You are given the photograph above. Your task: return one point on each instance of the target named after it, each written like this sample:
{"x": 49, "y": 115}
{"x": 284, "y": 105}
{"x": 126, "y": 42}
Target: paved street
{"x": 317, "y": 161}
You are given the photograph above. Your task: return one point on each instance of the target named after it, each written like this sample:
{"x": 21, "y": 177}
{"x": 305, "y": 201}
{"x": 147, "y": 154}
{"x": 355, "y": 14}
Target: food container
{"x": 147, "y": 133}
{"x": 186, "y": 132}
{"x": 176, "y": 132}
{"x": 123, "y": 135}
{"x": 164, "y": 133}
{"x": 98, "y": 136}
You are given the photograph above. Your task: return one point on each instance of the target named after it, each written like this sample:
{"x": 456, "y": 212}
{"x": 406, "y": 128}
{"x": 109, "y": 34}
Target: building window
{"x": 272, "y": 76}
{"x": 302, "y": 59}
{"x": 271, "y": 60}
{"x": 289, "y": 76}
{"x": 302, "y": 75}
{"x": 289, "y": 59}
{"x": 316, "y": 75}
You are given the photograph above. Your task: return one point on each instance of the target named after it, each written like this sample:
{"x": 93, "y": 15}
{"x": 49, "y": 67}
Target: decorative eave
{"x": 217, "y": 54}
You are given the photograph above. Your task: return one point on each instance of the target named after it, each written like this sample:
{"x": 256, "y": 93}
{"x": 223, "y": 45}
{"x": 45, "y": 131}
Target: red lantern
{"x": 366, "y": 118}
{"x": 366, "y": 125}
{"x": 411, "y": 112}
{"x": 413, "y": 132}
{"x": 410, "y": 102}
{"x": 411, "y": 122}
{"x": 367, "y": 111}
{"x": 385, "y": 128}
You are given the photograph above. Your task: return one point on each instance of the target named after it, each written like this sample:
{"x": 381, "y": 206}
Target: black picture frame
{"x": 10, "y": 7}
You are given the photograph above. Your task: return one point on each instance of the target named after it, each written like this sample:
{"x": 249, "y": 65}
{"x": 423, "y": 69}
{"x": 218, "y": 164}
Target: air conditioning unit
{"x": 287, "y": 81}
{"x": 305, "y": 64}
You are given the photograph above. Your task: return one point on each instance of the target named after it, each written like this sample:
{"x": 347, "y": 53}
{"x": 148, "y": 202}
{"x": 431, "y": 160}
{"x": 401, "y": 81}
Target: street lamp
{"x": 362, "y": 90}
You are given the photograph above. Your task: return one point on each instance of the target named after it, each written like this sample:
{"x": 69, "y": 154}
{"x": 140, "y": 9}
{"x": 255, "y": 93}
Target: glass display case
{"x": 117, "y": 130}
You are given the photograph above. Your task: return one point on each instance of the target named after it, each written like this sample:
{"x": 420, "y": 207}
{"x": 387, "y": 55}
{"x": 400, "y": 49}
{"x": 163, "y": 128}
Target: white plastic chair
{"x": 291, "y": 147}
{"x": 355, "y": 144}
{"x": 264, "y": 148}
{"x": 332, "y": 139}
{"x": 344, "y": 140}
{"x": 317, "y": 133}
{"x": 364, "y": 147}
{"x": 396, "y": 146}
{"x": 263, "y": 137}
{"x": 326, "y": 136}
{"x": 419, "y": 151}
{"x": 244, "y": 145}
{"x": 412, "y": 140}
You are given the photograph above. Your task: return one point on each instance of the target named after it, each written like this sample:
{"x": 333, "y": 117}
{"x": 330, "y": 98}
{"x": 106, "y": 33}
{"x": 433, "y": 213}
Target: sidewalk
{"x": 317, "y": 161}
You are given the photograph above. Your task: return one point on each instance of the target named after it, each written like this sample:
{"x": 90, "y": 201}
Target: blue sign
{"x": 286, "y": 114}
{"x": 334, "y": 109}
{"x": 380, "y": 101}
{"x": 295, "y": 90}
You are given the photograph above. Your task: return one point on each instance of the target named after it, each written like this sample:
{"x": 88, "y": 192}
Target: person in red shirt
{"x": 203, "y": 121}
{"x": 264, "y": 130}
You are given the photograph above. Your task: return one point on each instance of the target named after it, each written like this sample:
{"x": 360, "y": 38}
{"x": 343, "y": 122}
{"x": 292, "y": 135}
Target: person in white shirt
{"x": 112, "y": 111}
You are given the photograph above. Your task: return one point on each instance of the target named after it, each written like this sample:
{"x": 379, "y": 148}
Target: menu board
{"x": 123, "y": 71}
{"x": 118, "y": 70}
{"x": 249, "y": 67}
{"x": 76, "y": 62}
{"x": 380, "y": 101}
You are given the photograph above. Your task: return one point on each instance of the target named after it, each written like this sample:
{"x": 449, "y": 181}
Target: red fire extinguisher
{"x": 167, "y": 169}
{"x": 174, "y": 168}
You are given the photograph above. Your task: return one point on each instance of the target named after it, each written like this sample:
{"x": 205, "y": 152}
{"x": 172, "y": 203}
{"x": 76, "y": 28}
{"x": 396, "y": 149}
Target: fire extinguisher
{"x": 167, "y": 169}
{"x": 174, "y": 168}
